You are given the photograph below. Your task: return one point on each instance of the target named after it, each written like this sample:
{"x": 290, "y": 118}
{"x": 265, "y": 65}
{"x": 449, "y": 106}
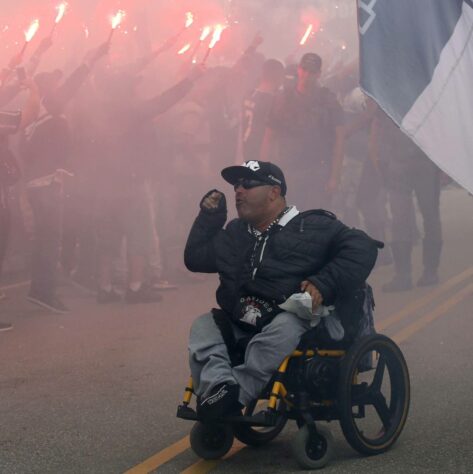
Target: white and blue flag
{"x": 416, "y": 61}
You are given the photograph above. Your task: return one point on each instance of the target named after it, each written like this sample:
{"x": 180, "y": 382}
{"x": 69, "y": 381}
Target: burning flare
{"x": 189, "y": 19}
{"x": 117, "y": 19}
{"x": 61, "y": 10}
{"x": 306, "y": 35}
{"x": 31, "y": 31}
{"x": 205, "y": 32}
{"x": 184, "y": 49}
{"x": 217, "y": 34}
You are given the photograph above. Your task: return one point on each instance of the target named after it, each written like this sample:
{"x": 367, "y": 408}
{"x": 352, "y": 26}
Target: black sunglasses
{"x": 249, "y": 183}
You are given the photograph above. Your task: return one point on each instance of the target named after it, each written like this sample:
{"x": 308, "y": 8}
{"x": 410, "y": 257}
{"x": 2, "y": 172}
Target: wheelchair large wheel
{"x": 255, "y": 435}
{"x": 211, "y": 440}
{"x": 373, "y": 394}
{"x": 313, "y": 451}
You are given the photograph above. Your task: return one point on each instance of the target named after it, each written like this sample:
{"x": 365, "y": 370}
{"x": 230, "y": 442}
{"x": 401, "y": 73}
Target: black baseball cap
{"x": 311, "y": 62}
{"x": 259, "y": 170}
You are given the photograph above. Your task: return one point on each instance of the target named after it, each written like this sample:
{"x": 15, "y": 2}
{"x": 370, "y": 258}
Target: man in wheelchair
{"x": 271, "y": 255}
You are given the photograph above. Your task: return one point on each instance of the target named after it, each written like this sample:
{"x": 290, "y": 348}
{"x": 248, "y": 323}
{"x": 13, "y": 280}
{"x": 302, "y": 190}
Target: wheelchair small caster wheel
{"x": 313, "y": 451}
{"x": 211, "y": 440}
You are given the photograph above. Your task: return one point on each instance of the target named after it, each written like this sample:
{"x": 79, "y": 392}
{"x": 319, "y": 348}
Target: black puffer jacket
{"x": 312, "y": 246}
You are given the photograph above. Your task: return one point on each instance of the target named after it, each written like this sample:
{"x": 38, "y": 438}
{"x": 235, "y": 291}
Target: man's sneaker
{"x": 104, "y": 297}
{"x": 428, "y": 279}
{"x": 53, "y": 304}
{"x": 222, "y": 401}
{"x": 398, "y": 283}
{"x": 5, "y": 327}
{"x": 144, "y": 295}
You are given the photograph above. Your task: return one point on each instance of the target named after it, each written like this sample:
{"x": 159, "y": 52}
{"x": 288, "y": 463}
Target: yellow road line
{"x": 441, "y": 310}
{"x": 152, "y": 463}
{"x": 424, "y": 300}
{"x": 202, "y": 466}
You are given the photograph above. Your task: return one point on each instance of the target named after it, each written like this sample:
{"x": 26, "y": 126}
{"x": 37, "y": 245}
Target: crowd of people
{"x": 105, "y": 170}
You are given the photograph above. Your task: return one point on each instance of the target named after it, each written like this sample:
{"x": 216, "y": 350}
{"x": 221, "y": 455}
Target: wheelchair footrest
{"x": 262, "y": 418}
{"x": 186, "y": 413}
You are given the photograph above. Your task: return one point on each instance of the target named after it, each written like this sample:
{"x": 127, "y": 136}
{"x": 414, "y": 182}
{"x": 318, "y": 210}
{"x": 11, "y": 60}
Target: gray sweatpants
{"x": 210, "y": 363}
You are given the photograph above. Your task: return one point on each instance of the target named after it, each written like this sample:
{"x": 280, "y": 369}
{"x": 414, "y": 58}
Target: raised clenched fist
{"x": 212, "y": 200}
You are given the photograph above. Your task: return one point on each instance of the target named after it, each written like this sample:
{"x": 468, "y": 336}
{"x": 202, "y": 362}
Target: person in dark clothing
{"x": 11, "y": 123}
{"x": 305, "y": 131}
{"x": 46, "y": 150}
{"x": 79, "y": 237}
{"x": 290, "y": 77}
{"x": 123, "y": 208}
{"x": 10, "y": 84}
{"x": 268, "y": 254}
{"x": 256, "y": 109}
{"x": 408, "y": 170}
{"x": 362, "y": 195}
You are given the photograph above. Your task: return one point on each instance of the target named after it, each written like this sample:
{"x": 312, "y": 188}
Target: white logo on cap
{"x": 253, "y": 165}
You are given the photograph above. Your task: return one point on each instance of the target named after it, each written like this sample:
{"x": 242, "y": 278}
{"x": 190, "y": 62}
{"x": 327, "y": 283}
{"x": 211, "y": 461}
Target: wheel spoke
{"x": 359, "y": 394}
{"x": 378, "y": 376}
{"x": 381, "y": 407}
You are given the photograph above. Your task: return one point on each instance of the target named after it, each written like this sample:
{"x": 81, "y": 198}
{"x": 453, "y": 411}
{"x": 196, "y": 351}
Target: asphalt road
{"x": 96, "y": 391}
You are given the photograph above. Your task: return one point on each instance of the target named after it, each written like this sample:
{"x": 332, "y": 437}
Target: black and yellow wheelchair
{"x": 364, "y": 385}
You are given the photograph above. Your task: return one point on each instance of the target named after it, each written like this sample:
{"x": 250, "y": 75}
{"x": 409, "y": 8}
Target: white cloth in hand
{"x": 300, "y": 304}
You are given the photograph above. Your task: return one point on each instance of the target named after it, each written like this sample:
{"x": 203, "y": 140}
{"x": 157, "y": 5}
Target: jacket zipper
{"x": 261, "y": 256}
